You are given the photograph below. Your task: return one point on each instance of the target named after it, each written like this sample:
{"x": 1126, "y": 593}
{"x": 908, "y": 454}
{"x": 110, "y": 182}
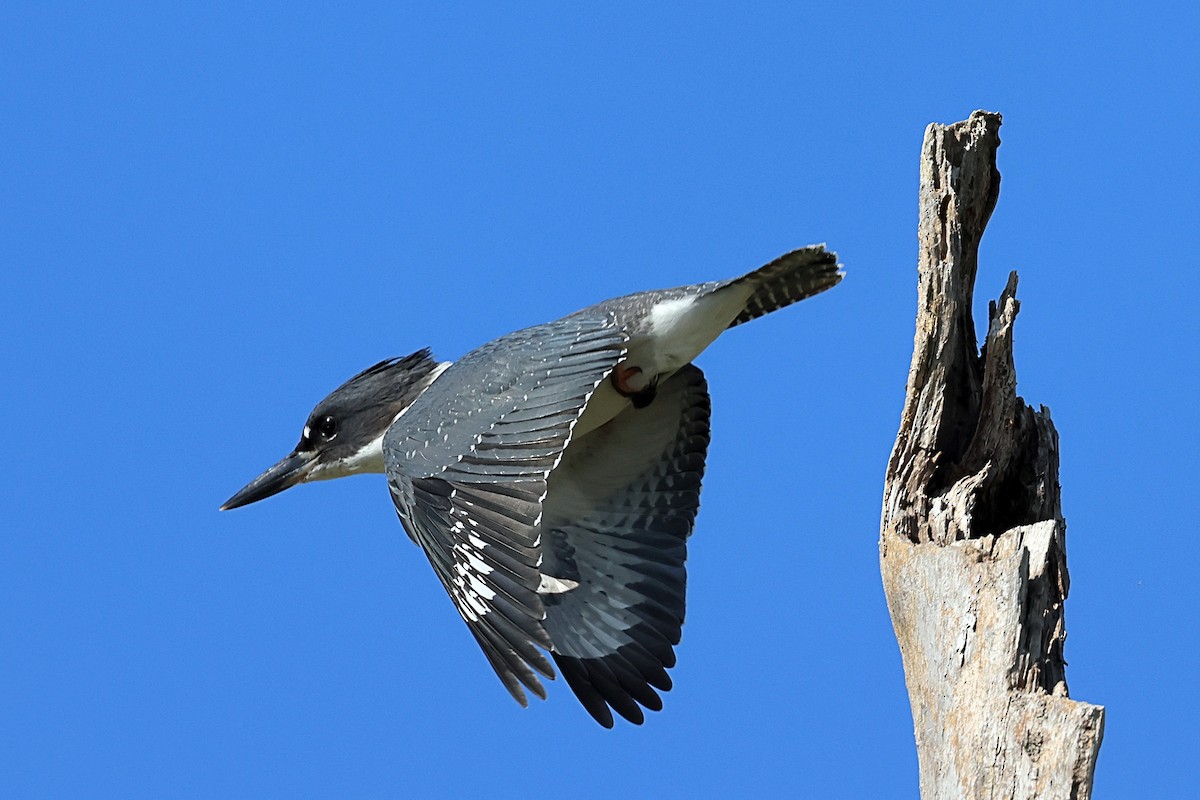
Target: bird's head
{"x": 344, "y": 433}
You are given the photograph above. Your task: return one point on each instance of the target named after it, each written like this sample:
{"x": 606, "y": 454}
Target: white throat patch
{"x": 369, "y": 459}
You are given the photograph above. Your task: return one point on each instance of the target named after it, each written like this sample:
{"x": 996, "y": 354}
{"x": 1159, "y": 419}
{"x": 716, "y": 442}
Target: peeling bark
{"x": 973, "y": 542}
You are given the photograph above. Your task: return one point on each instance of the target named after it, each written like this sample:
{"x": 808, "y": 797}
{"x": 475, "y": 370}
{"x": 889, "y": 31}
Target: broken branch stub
{"x": 972, "y": 541}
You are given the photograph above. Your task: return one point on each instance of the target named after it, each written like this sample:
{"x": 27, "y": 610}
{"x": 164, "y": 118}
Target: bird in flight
{"x": 552, "y": 476}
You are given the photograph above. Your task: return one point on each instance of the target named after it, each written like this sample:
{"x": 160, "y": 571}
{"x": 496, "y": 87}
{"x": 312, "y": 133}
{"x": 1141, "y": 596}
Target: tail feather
{"x": 788, "y": 279}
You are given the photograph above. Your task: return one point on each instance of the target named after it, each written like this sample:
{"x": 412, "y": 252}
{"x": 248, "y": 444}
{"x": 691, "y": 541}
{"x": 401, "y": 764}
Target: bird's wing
{"x": 615, "y": 525}
{"x": 467, "y": 466}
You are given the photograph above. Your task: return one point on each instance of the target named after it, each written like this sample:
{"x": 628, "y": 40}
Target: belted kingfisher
{"x": 552, "y": 476}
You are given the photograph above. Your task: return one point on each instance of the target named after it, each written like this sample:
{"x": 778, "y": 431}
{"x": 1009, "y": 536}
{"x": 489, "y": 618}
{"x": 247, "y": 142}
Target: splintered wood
{"x": 972, "y": 540}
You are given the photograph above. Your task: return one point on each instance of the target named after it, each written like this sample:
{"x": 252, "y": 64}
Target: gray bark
{"x": 973, "y": 542}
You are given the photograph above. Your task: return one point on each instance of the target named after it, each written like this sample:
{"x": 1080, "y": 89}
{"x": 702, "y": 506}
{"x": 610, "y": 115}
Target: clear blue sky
{"x": 212, "y": 214}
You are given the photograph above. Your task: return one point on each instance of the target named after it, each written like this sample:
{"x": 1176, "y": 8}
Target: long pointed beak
{"x": 293, "y": 469}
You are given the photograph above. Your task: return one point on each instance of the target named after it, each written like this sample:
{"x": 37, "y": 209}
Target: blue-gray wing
{"x": 467, "y": 466}
{"x": 615, "y": 524}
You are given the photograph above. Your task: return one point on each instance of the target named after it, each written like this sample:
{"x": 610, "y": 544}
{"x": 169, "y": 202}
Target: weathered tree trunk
{"x": 973, "y": 543}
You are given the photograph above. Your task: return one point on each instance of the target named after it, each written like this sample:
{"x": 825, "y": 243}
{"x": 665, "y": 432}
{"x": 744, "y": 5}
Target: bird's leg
{"x": 646, "y": 396}
{"x": 624, "y": 379}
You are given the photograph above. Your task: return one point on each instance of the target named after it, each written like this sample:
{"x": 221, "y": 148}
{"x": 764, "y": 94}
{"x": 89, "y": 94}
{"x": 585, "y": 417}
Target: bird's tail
{"x": 788, "y": 279}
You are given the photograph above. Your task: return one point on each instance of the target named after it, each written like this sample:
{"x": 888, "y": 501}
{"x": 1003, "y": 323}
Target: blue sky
{"x": 212, "y": 214}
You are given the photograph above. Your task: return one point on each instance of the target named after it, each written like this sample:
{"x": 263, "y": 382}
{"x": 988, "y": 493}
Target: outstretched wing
{"x": 467, "y": 466}
{"x": 615, "y": 524}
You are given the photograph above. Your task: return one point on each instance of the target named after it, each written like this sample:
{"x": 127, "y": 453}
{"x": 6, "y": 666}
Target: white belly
{"x": 679, "y": 331}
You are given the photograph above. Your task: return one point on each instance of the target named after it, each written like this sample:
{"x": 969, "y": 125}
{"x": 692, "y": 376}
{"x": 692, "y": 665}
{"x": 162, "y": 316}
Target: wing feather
{"x": 621, "y": 506}
{"x": 468, "y": 465}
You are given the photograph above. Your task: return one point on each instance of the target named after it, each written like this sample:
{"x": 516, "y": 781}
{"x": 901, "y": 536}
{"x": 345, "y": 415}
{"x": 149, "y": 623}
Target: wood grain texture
{"x": 972, "y": 541}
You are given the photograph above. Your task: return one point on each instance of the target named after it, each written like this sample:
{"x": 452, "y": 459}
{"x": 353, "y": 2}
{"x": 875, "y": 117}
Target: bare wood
{"x": 973, "y": 542}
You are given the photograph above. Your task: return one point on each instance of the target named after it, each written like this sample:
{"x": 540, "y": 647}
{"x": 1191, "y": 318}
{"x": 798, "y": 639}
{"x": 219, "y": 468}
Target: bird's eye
{"x": 327, "y": 427}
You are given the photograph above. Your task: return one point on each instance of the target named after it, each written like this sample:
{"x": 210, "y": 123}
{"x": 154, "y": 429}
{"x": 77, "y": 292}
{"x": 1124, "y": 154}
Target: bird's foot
{"x": 640, "y": 392}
